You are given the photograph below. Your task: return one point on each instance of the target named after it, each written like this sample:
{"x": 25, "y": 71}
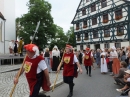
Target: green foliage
{"x": 49, "y": 34}
{"x": 59, "y": 40}
{"x": 70, "y": 34}
{"x": 39, "y": 10}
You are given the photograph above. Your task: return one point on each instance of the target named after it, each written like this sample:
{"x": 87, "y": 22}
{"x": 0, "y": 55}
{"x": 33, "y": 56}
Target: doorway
{"x": 97, "y": 46}
{"x": 81, "y": 46}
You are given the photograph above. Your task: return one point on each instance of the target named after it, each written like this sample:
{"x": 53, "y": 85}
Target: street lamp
{"x": 82, "y": 34}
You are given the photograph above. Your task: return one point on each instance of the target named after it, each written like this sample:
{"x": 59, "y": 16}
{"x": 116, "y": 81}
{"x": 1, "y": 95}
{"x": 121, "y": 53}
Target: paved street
{"x": 98, "y": 85}
{"x": 6, "y": 81}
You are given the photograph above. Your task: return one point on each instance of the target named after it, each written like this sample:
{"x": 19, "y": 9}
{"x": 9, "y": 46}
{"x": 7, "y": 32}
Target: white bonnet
{"x": 113, "y": 47}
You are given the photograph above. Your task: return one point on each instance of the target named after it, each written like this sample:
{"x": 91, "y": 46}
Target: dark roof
{"x": 1, "y": 16}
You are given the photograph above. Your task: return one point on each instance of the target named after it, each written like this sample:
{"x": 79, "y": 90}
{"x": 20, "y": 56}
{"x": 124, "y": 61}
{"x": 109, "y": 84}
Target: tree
{"x": 18, "y": 26}
{"x": 60, "y": 39}
{"x": 71, "y": 36}
{"x": 39, "y": 10}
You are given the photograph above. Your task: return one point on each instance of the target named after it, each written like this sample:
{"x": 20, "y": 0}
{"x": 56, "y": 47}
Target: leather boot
{"x": 70, "y": 94}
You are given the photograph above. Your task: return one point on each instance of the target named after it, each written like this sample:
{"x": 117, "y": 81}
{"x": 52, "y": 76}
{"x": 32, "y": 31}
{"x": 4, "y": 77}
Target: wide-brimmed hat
{"x": 127, "y": 71}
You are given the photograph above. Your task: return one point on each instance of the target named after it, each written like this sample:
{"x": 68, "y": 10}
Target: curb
{"x": 10, "y": 70}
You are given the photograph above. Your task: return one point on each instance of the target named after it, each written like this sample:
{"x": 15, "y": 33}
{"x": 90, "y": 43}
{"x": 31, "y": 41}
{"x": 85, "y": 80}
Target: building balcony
{"x": 84, "y": 26}
{"x": 120, "y": 33}
{"x": 118, "y": 17}
{"x": 77, "y": 28}
{"x": 78, "y": 39}
{"x": 105, "y": 21}
{"x": 106, "y": 35}
{"x": 86, "y": 38}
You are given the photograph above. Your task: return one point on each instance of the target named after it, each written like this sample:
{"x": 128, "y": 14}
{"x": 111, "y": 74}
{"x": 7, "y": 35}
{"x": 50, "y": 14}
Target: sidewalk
{"x": 6, "y": 81}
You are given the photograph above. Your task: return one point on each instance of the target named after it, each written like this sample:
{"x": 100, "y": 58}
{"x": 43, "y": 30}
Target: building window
{"x": 104, "y": 3}
{"x": 106, "y": 33}
{"x": 83, "y": 12}
{"x": 118, "y": 14}
{"x": 120, "y": 30}
{"x": 85, "y": 24}
{"x": 105, "y": 18}
{"x": 87, "y": 0}
{"x": 106, "y": 45}
{"x": 88, "y": 46}
{"x": 78, "y": 37}
{"x": 77, "y": 26}
{"x": 81, "y": 47}
{"x": 93, "y": 7}
{"x": 86, "y": 36}
{"x": 94, "y": 21}
{"x": 95, "y": 34}
{"x": 118, "y": 45}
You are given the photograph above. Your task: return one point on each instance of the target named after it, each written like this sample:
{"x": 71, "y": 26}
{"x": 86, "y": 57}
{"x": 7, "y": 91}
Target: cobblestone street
{"x": 6, "y": 81}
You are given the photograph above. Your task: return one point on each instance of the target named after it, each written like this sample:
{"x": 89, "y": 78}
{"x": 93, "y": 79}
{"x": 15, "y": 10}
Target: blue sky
{"x": 63, "y": 11}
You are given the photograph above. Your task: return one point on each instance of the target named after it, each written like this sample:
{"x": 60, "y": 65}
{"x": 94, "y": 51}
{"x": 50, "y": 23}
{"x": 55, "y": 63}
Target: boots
{"x": 71, "y": 85}
{"x": 70, "y": 94}
{"x": 42, "y": 95}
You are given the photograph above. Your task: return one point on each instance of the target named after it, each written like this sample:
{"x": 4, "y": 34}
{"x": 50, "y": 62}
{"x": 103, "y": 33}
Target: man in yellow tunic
{"x": 20, "y": 47}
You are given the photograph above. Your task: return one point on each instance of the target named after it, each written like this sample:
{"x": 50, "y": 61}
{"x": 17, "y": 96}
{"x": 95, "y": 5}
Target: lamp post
{"x": 82, "y": 34}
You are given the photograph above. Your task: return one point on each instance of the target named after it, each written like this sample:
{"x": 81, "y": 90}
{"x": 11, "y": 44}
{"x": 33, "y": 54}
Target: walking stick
{"x": 24, "y": 61}
{"x": 58, "y": 71}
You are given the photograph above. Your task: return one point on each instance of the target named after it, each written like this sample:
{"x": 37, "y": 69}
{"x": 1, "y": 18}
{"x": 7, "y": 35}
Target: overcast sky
{"x": 63, "y": 11}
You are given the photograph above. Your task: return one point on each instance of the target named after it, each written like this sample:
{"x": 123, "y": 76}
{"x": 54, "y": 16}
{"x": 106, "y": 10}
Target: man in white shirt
{"x": 11, "y": 47}
{"x": 36, "y": 72}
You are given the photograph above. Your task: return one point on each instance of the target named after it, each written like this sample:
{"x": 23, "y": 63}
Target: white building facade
{"x": 7, "y": 8}
{"x": 102, "y": 24}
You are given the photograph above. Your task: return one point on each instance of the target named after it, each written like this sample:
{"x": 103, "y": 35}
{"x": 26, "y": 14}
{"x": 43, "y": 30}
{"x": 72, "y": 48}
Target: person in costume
{"x": 88, "y": 60}
{"x": 11, "y": 47}
{"x": 15, "y": 47}
{"x": 36, "y": 71}
{"x": 103, "y": 62}
{"x": 47, "y": 59}
{"x": 116, "y": 62}
{"x": 55, "y": 58}
{"x": 71, "y": 63}
{"x": 20, "y": 46}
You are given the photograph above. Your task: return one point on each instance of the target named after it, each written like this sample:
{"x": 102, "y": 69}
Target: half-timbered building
{"x": 102, "y": 24}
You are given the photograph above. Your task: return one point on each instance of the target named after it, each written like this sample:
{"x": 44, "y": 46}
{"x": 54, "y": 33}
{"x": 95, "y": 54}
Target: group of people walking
{"x": 38, "y": 67}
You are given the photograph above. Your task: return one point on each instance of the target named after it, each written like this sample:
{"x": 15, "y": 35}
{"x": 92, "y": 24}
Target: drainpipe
{"x": 4, "y": 36}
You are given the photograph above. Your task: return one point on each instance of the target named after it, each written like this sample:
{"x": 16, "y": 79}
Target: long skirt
{"x": 115, "y": 66}
{"x": 103, "y": 66}
{"x": 47, "y": 60}
{"x": 55, "y": 63}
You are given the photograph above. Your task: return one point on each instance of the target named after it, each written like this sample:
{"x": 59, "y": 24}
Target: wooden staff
{"x": 58, "y": 71}
{"x": 24, "y": 61}
{"x": 18, "y": 76}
